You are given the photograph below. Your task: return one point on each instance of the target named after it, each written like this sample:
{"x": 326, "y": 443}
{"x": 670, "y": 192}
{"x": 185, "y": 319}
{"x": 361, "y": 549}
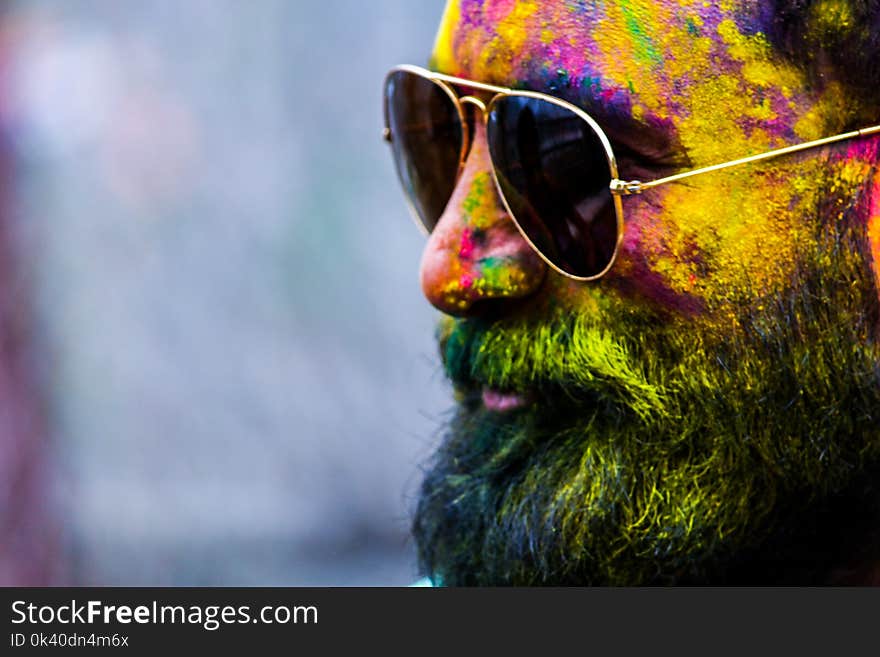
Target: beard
{"x": 742, "y": 449}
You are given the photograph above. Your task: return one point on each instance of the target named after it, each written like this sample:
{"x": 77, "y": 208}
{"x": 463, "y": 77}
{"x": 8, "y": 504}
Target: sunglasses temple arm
{"x": 623, "y": 187}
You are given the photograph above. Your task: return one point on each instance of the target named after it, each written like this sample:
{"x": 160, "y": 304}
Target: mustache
{"x": 642, "y": 363}
{"x": 566, "y": 356}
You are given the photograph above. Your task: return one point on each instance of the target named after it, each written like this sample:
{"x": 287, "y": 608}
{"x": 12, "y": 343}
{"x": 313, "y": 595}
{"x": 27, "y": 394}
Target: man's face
{"x": 681, "y": 417}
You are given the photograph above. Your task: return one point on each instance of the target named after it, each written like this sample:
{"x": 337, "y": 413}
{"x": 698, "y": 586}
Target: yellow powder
{"x": 443, "y": 58}
{"x": 745, "y": 250}
{"x": 511, "y": 35}
{"x": 743, "y": 47}
{"x": 830, "y": 16}
{"x": 760, "y": 72}
{"x": 833, "y": 110}
{"x": 874, "y": 227}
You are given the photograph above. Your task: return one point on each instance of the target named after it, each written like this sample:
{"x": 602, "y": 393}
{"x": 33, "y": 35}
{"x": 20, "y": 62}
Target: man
{"x": 707, "y": 408}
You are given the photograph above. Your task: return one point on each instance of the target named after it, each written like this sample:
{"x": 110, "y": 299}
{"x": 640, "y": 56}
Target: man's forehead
{"x": 659, "y": 62}
{"x": 516, "y": 42}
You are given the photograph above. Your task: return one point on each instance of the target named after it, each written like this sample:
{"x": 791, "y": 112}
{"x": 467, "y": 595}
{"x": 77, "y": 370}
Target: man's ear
{"x": 833, "y": 40}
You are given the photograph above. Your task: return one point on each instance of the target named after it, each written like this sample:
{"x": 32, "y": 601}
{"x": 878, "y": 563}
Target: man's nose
{"x": 475, "y": 251}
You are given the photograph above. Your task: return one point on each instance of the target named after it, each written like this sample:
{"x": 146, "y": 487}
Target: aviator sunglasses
{"x": 552, "y": 164}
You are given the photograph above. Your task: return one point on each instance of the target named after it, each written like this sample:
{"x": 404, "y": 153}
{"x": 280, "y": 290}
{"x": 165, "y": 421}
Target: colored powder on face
{"x": 443, "y": 56}
{"x": 620, "y": 52}
{"x": 858, "y": 169}
{"x": 645, "y": 51}
{"x": 830, "y": 17}
{"x": 743, "y": 47}
{"x": 646, "y": 58}
{"x": 498, "y": 277}
{"x": 480, "y": 213}
{"x": 466, "y": 250}
{"x": 874, "y": 227}
{"x": 480, "y": 207}
{"x": 833, "y": 111}
{"x": 512, "y": 33}
{"x": 470, "y": 275}
{"x": 753, "y": 89}
{"x": 494, "y": 272}
{"x": 498, "y": 11}
{"x": 696, "y": 253}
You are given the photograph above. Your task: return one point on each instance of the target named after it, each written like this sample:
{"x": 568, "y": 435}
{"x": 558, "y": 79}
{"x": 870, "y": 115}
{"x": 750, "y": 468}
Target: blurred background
{"x": 219, "y": 369}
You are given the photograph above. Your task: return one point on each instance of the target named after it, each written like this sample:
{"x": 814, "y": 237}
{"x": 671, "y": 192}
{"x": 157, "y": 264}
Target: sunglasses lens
{"x": 554, "y": 174}
{"x": 426, "y": 139}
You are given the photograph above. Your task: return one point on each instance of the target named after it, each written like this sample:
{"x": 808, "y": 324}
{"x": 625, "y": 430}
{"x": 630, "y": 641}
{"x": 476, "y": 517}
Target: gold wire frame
{"x": 445, "y": 82}
{"x": 617, "y": 187}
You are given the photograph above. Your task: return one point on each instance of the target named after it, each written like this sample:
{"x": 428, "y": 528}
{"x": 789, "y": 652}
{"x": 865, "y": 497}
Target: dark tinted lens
{"x": 426, "y": 138}
{"x": 554, "y": 174}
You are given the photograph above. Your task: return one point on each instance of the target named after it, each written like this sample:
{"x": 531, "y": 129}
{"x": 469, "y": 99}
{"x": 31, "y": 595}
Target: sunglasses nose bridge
{"x": 477, "y": 103}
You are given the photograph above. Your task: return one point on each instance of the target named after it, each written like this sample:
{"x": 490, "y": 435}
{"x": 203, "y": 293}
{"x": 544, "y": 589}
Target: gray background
{"x": 243, "y": 375}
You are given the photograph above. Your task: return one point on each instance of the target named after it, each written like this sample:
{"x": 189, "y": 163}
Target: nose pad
{"x": 475, "y": 251}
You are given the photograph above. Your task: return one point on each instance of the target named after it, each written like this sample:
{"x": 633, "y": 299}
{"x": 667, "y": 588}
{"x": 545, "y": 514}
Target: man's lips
{"x": 498, "y": 401}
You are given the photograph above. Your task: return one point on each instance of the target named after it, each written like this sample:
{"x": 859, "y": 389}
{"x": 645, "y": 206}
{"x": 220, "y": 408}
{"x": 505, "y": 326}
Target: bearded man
{"x": 672, "y": 381}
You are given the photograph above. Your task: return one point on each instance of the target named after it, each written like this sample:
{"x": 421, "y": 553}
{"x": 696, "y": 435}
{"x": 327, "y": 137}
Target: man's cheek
{"x": 738, "y": 235}
{"x": 662, "y": 260}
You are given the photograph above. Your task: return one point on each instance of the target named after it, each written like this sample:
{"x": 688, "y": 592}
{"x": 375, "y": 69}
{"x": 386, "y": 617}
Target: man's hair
{"x": 830, "y": 39}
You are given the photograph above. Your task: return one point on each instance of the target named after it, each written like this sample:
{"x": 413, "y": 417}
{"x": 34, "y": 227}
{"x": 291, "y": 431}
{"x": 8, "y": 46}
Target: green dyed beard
{"x": 656, "y": 452}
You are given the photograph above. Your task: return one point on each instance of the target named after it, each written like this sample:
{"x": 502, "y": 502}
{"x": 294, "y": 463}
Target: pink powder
{"x": 467, "y": 244}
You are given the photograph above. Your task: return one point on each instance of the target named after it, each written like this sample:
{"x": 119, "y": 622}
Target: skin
{"x": 690, "y": 383}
